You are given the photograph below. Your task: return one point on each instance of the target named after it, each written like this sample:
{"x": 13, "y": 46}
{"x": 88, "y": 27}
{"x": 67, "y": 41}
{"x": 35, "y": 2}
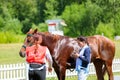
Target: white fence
{"x": 18, "y": 71}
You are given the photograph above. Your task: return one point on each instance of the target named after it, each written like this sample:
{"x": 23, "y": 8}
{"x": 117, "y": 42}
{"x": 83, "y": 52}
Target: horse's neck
{"x": 50, "y": 41}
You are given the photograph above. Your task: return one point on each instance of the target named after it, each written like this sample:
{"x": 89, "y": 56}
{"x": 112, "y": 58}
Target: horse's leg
{"x": 98, "y": 66}
{"x": 109, "y": 70}
{"x": 57, "y": 72}
{"x": 104, "y": 70}
{"x": 57, "y": 69}
{"x": 60, "y": 68}
{"x": 62, "y": 72}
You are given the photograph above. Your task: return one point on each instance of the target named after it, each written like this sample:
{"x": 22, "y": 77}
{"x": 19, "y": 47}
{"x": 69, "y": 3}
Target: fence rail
{"x": 18, "y": 71}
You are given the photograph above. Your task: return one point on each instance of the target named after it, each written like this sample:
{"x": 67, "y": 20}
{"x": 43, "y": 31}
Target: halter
{"x": 29, "y": 35}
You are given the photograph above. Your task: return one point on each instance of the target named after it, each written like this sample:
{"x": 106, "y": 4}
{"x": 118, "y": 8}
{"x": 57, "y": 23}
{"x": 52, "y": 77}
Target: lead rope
{"x": 71, "y": 70}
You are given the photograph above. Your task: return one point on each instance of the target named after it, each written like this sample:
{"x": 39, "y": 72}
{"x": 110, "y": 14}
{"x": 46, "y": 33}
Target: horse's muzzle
{"x": 22, "y": 54}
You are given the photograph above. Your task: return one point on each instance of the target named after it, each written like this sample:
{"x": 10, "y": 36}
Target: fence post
{"x": 27, "y": 66}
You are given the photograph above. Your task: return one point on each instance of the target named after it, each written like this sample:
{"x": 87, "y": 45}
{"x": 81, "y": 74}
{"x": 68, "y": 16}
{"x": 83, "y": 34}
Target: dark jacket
{"x": 86, "y": 57}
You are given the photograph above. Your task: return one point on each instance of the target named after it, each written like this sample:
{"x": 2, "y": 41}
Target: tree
{"x": 116, "y": 18}
{"x": 51, "y": 9}
{"x": 81, "y": 19}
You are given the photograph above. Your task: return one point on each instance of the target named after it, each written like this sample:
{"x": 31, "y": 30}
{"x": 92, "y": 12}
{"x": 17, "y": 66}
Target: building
{"x": 56, "y": 26}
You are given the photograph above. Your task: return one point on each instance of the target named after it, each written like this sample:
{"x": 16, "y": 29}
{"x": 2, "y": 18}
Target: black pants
{"x": 37, "y": 74}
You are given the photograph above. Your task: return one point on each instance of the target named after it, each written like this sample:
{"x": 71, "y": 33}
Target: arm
{"x": 49, "y": 58}
{"x": 86, "y": 57}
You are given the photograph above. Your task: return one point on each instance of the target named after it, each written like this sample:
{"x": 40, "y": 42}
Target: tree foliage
{"x": 51, "y": 9}
{"x": 83, "y": 17}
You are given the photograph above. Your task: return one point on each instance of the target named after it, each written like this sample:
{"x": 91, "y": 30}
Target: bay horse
{"x": 62, "y": 48}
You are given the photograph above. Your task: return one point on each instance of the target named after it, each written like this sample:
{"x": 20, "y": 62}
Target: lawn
{"x": 117, "y": 51}
{"x": 9, "y": 53}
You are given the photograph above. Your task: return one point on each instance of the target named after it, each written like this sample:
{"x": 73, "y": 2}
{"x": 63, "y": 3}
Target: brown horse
{"x": 62, "y": 48}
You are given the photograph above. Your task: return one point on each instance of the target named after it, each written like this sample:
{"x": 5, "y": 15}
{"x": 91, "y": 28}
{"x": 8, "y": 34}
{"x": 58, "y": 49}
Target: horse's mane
{"x": 47, "y": 34}
{"x": 50, "y": 35}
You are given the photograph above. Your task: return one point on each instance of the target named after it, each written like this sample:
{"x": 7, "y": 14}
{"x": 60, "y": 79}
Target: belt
{"x": 36, "y": 66}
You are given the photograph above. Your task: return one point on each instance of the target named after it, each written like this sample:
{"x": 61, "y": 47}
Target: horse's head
{"x": 28, "y": 41}
{"x": 47, "y": 39}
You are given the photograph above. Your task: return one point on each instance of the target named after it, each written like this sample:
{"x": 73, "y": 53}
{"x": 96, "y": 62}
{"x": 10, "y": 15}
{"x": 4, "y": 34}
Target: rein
{"x": 71, "y": 70}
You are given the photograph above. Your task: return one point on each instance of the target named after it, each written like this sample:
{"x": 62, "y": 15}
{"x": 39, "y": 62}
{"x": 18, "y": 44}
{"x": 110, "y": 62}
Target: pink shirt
{"x": 38, "y": 56}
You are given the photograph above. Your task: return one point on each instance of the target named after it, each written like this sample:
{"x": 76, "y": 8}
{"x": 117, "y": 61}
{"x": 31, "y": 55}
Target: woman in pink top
{"x": 36, "y": 56}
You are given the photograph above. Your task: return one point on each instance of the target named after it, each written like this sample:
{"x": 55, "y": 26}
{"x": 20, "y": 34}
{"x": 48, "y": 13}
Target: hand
{"x": 49, "y": 69}
{"x": 76, "y": 55}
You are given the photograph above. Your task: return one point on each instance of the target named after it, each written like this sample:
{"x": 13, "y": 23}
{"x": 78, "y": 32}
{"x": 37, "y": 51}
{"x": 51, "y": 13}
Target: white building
{"x": 56, "y": 26}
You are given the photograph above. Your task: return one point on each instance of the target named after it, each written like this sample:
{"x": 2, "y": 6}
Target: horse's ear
{"x": 30, "y": 31}
{"x": 35, "y": 31}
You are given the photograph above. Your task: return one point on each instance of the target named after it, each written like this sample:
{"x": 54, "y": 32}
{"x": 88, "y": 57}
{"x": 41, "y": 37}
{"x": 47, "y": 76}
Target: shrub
{"x": 106, "y": 30}
{"x": 10, "y": 37}
{"x": 41, "y": 27}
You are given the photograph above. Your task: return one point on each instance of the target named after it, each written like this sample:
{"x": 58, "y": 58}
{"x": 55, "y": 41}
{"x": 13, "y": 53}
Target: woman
{"x": 83, "y": 59}
{"x": 36, "y": 56}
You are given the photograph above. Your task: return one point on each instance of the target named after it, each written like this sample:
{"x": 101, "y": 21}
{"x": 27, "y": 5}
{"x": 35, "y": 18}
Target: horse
{"x": 62, "y": 48}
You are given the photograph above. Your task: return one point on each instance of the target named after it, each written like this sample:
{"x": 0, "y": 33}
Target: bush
{"x": 42, "y": 27}
{"x": 13, "y": 25}
{"x": 106, "y": 30}
{"x": 10, "y": 37}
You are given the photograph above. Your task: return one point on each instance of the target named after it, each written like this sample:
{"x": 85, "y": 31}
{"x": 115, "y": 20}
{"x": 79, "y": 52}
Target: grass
{"x": 9, "y": 53}
{"x": 90, "y": 77}
{"x": 117, "y": 51}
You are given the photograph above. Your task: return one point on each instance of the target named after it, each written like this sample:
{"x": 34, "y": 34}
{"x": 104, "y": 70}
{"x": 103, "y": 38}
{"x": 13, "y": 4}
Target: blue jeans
{"x": 82, "y": 75}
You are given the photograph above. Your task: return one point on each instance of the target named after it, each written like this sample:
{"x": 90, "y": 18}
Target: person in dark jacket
{"x": 83, "y": 59}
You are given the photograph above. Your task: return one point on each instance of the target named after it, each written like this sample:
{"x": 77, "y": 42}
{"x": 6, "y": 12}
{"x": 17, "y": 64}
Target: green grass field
{"x": 9, "y": 53}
